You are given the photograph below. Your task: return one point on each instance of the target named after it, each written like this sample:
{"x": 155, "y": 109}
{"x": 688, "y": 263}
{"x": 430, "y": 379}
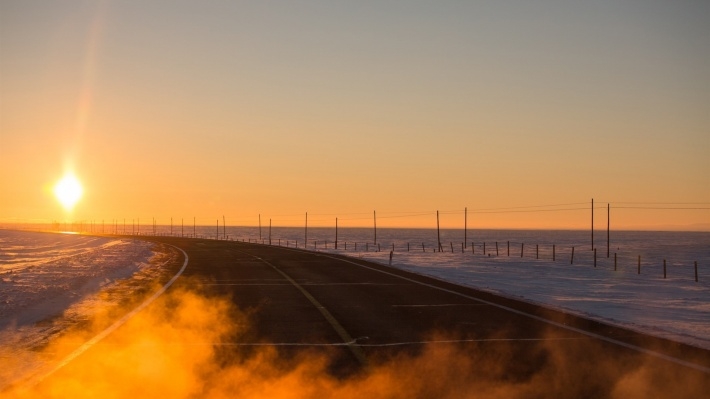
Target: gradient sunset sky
{"x": 208, "y": 108}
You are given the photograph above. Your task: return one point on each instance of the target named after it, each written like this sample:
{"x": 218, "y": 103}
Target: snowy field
{"x": 41, "y": 274}
{"x": 46, "y": 275}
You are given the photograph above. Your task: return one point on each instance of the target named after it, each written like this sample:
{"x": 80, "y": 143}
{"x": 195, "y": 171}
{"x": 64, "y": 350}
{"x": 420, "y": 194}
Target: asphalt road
{"x": 364, "y": 315}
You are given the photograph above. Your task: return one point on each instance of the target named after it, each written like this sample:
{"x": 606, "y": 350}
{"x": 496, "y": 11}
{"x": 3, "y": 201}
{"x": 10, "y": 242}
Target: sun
{"x": 68, "y": 191}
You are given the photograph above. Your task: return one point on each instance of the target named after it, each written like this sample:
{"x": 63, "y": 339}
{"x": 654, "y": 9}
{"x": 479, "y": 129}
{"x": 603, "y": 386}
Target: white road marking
{"x": 439, "y": 305}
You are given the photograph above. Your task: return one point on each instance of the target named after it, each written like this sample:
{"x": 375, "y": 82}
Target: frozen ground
{"x": 44, "y": 276}
{"x": 41, "y": 274}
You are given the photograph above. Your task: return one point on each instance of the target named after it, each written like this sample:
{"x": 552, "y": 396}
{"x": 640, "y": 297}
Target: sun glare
{"x": 68, "y": 191}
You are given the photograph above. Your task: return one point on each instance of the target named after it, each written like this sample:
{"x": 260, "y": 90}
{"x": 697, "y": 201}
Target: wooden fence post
{"x": 664, "y": 268}
{"x": 438, "y": 235}
{"x": 571, "y": 262}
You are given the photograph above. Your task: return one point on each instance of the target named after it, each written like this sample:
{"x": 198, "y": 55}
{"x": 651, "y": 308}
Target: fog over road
{"x": 383, "y": 331}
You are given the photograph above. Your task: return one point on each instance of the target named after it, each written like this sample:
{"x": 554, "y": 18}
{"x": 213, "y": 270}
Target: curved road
{"x": 364, "y": 315}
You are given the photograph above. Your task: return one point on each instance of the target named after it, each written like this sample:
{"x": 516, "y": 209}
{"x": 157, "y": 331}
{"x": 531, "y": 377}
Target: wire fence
{"x": 662, "y": 257}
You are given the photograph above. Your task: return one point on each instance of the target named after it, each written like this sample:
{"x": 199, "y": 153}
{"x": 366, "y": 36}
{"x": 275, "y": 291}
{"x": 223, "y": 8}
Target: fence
{"x": 666, "y": 259}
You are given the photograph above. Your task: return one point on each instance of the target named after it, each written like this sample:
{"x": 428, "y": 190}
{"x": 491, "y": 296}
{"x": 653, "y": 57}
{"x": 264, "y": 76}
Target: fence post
{"x": 462, "y": 247}
{"x": 571, "y": 262}
{"x": 639, "y": 265}
{"x": 484, "y": 248}
{"x": 496, "y": 248}
{"x": 537, "y": 251}
{"x": 452, "y": 246}
{"x": 664, "y": 268}
{"x": 438, "y": 235}
{"x": 553, "y": 252}
{"x": 696, "y": 271}
{"x": 423, "y": 250}
{"x": 522, "y": 249}
{"x": 508, "y": 248}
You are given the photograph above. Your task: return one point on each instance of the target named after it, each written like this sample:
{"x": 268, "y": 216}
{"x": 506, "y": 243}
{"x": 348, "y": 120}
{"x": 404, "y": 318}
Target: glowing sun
{"x": 68, "y": 191}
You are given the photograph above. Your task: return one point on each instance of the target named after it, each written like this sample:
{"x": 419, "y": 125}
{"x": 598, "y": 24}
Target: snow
{"x": 42, "y": 274}
{"x": 46, "y": 275}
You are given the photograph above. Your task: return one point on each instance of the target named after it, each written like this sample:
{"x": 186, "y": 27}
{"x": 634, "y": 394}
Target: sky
{"x": 237, "y": 109}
